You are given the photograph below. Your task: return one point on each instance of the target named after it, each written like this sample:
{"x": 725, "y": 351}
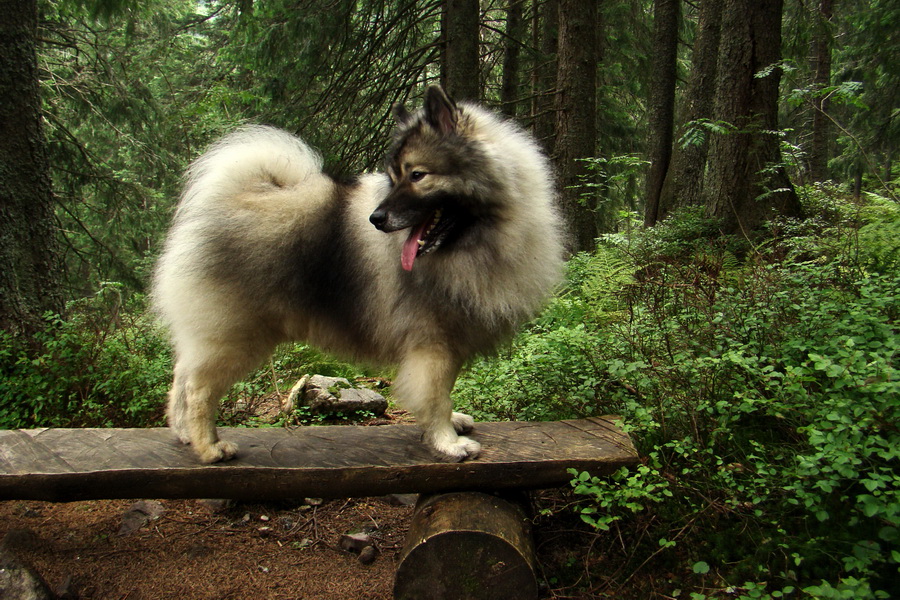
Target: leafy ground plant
{"x": 760, "y": 385}
{"x": 105, "y": 364}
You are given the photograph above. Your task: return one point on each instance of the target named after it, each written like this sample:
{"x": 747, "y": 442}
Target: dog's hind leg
{"x": 193, "y": 404}
{"x": 201, "y": 379}
{"x": 176, "y": 412}
{"x": 423, "y": 386}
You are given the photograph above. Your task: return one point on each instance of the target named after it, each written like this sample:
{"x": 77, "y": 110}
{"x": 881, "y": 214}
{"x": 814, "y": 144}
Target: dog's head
{"x": 438, "y": 184}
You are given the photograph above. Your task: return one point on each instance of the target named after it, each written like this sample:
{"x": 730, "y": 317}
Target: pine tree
{"x": 30, "y": 271}
{"x": 663, "y": 73}
{"x": 746, "y": 183}
{"x": 459, "y": 41}
{"x": 576, "y": 109}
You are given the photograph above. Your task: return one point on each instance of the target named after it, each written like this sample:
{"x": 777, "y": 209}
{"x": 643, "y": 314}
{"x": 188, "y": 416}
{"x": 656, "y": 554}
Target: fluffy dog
{"x": 438, "y": 259}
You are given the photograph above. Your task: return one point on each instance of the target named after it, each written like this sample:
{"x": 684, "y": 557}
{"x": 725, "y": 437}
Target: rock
{"x": 290, "y": 403}
{"x": 65, "y": 591}
{"x": 354, "y": 542}
{"x": 401, "y": 499}
{"x": 18, "y": 581}
{"x": 337, "y": 395}
{"x": 139, "y": 514}
{"x": 368, "y": 555}
{"x": 215, "y": 505}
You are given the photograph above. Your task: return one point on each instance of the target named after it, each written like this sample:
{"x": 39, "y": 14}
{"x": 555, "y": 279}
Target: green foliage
{"x": 696, "y": 132}
{"x": 760, "y": 386}
{"x": 107, "y": 364}
{"x": 288, "y": 364}
{"x": 100, "y": 366}
{"x": 560, "y": 361}
{"x": 122, "y": 116}
{"x": 623, "y": 493}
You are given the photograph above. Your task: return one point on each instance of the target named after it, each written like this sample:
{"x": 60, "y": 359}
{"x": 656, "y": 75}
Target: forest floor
{"x": 213, "y": 550}
{"x": 198, "y": 550}
{"x": 192, "y": 551}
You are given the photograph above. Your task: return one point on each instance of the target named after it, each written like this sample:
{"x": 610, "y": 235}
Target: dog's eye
{"x": 416, "y": 176}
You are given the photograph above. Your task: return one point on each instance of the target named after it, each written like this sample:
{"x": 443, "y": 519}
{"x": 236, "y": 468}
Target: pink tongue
{"x": 411, "y": 246}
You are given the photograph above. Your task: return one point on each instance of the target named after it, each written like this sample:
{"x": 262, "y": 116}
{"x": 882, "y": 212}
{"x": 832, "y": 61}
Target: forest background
{"x": 726, "y": 170}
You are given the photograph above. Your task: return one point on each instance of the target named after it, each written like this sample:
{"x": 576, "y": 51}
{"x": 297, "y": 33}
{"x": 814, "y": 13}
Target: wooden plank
{"x": 280, "y": 463}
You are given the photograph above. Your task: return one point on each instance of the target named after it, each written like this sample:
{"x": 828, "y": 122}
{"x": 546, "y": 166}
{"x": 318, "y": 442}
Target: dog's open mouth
{"x": 426, "y": 238}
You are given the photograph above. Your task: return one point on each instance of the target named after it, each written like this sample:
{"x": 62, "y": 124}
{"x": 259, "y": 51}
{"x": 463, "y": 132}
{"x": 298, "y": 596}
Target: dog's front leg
{"x": 423, "y": 386}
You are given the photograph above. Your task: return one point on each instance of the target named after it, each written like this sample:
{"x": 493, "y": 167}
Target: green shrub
{"x": 106, "y": 364}
{"x": 760, "y": 386}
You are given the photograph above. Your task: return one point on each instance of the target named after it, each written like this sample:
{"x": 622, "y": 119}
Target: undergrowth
{"x": 760, "y": 386}
{"x": 107, "y": 363}
{"x": 758, "y": 381}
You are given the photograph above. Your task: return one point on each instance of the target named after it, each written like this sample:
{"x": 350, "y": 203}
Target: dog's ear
{"x": 401, "y": 115}
{"x": 440, "y": 111}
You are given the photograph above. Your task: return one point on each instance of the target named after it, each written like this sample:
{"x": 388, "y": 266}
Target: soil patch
{"x": 245, "y": 552}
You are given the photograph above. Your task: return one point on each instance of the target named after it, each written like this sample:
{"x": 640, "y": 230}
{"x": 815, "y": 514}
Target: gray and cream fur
{"x": 437, "y": 260}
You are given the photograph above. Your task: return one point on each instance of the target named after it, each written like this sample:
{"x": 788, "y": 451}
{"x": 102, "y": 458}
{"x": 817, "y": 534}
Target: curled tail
{"x": 244, "y": 160}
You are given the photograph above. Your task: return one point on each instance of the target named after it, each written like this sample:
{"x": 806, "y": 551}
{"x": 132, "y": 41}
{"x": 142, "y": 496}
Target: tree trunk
{"x": 509, "y": 86}
{"x": 460, "y": 66}
{"x": 746, "y": 184}
{"x": 684, "y": 179}
{"x": 576, "y": 129}
{"x": 30, "y": 271}
{"x": 666, "y": 15}
{"x": 821, "y": 126}
{"x": 545, "y": 29}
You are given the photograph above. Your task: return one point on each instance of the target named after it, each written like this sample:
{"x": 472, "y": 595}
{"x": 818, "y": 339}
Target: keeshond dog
{"x": 423, "y": 267}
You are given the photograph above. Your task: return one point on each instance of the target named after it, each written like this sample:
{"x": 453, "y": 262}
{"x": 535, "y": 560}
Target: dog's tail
{"x": 246, "y": 159}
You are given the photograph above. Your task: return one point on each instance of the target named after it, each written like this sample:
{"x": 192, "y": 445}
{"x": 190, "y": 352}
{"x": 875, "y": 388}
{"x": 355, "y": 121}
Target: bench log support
{"x": 468, "y": 546}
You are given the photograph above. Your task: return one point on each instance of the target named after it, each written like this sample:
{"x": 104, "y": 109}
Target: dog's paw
{"x": 180, "y": 435}
{"x": 219, "y": 451}
{"x": 462, "y": 423}
{"x": 461, "y": 449}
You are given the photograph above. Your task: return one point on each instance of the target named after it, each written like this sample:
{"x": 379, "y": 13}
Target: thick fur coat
{"x": 424, "y": 266}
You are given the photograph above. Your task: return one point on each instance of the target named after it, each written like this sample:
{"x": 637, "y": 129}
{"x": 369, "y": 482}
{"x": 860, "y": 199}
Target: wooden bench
{"x": 466, "y": 537}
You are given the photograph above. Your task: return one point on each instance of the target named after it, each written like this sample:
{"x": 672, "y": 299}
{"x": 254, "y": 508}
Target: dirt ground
{"x": 196, "y": 550}
{"x": 193, "y": 551}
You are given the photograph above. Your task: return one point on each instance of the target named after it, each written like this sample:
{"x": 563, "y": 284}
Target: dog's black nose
{"x": 379, "y": 218}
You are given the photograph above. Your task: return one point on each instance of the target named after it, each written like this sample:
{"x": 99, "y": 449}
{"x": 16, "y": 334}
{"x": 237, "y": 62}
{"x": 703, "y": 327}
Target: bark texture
{"x": 545, "y": 32}
{"x": 821, "y": 125}
{"x": 745, "y": 183}
{"x": 576, "y": 128}
{"x": 29, "y": 259}
{"x": 509, "y": 85}
{"x": 666, "y": 15}
{"x": 684, "y": 180}
{"x": 460, "y": 64}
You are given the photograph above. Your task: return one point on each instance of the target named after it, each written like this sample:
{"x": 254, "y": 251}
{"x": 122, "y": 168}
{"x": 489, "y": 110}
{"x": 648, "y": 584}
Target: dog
{"x": 435, "y": 261}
